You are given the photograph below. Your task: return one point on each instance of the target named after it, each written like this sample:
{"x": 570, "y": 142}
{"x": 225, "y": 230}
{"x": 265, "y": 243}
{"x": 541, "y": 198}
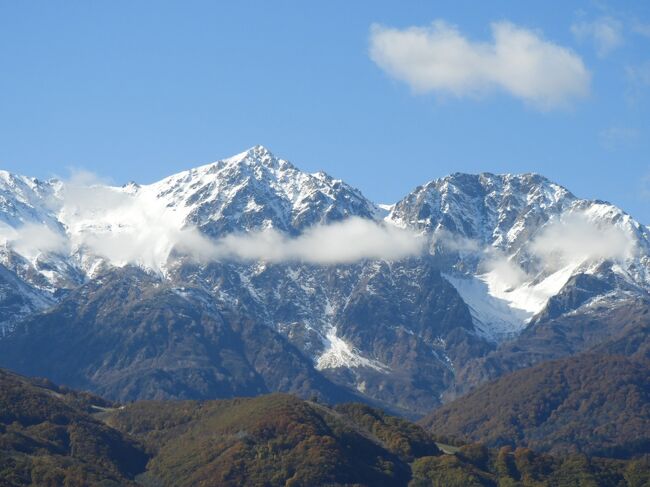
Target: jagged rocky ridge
{"x": 138, "y": 320}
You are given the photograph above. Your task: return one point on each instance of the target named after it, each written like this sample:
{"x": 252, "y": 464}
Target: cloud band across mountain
{"x": 351, "y": 240}
{"x": 347, "y": 241}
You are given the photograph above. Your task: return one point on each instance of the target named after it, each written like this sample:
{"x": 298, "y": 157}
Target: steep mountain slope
{"x": 129, "y": 335}
{"x": 412, "y": 321}
{"x": 603, "y": 325}
{"x": 513, "y": 263}
{"x": 386, "y": 330}
{"x": 594, "y": 404}
{"x": 25, "y": 200}
{"x": 18, "y": 299}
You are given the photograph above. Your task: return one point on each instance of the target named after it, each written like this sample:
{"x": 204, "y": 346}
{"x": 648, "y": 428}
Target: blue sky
{"x": 136, "y": 90}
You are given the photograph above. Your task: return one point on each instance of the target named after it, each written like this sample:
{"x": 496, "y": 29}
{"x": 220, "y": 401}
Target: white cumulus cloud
{"x": 519, "y": 61}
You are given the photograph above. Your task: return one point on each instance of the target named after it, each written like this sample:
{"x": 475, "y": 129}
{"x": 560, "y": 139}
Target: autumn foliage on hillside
{"x": 592, "y": 404}
{"x": 51, "y": 436}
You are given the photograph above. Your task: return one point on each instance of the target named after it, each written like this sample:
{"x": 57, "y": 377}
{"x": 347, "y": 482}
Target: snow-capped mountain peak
{"x": 254, "y": 190}
{"x": 513, "y": 241}
{"x": 502, "y": 252}
{"x": 507, "y": 242}
{"x": 492, "y": 209}
{"x": 99, "y": 224}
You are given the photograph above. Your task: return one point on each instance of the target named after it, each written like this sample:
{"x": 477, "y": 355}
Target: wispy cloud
{"x": 448, "y": 241}
{"x": 519, "y": 61}
{"x": 644, "y": 186}
{"x": 617, "y": 136}
{"x": 32, "y": 239}
{"x": 638, "y": 79}
{"x": 606, "y": 33}
{"x": 641, "y": 28}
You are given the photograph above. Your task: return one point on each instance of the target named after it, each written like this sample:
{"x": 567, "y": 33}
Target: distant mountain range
{"x": 249, "y": 276}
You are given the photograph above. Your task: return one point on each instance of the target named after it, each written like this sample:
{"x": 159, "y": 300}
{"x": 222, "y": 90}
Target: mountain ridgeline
{"x": 151, "y": 292}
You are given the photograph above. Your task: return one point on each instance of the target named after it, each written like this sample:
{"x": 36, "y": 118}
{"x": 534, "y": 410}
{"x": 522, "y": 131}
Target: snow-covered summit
{"x": 94, "y": 225}
{"x": 492, "y": 209}
{"x": 507, "y": 242}
{"x": 254, "y": 190}
{"x": 513, "y": 241}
